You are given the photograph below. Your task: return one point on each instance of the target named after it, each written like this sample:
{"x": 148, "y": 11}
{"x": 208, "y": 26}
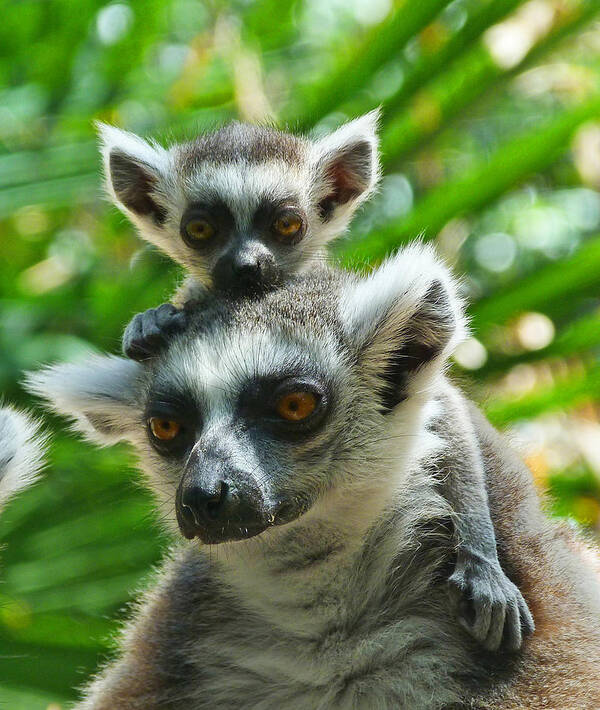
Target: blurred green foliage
{"x": 491, "y": 147}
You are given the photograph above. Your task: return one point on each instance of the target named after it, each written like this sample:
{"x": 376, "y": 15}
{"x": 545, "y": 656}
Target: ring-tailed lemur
{"x": 308, "y": 443}
{"x": 242, "y": 208}
{"x": 21, "y": 452}
{"x": 239, "y": 183}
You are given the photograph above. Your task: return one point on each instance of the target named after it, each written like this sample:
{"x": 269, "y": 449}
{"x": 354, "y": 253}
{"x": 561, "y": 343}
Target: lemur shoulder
{"x": 246, "y": 208}
{"x": 307, "y": 468}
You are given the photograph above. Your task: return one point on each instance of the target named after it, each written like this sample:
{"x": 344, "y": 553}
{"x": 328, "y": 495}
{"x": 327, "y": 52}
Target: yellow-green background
{"x": 491, "y": 148}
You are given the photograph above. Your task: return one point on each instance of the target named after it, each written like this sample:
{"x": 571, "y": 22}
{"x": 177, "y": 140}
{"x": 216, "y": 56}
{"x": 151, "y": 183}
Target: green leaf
{"x": 490, "y": 178}
{"x": 360, "y": 60}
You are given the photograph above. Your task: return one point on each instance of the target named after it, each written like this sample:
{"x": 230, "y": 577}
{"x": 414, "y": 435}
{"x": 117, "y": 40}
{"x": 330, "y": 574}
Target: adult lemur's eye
{"x": 288, "y": 226}
{"x": 296, "y": 406}
{"x": 198, "y": 229}
{"x": 164, "y": 429}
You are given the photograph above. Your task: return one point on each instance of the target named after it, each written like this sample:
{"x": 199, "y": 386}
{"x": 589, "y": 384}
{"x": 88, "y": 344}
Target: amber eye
{"x": 296, "y": 406}
{"x": 164, "y": 429}
{"x": 199, "y": 230}
{"x": 288, "y": 226}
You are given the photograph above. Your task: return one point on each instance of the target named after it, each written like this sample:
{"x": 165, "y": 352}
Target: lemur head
{"x": 273, "y": 410}
{"x": 244, "y": 207}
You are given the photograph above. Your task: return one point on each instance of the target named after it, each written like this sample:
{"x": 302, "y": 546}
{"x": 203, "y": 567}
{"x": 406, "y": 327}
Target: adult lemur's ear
{"x": 405, "y": 319}
{"x": 346, "y": 169}
{"x": 100, "y": 395}
{"x": 135, "y": 173}
{"x": 21, "y": 451}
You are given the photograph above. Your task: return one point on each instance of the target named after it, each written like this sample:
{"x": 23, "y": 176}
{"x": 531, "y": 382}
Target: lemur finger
{"x": 513, "y": 638}
{"x": 164, "y": 313}
{"x": 527, "y": 622}
{"x": 456, "y": 590}
{"x": 151, "y": 332}
{"x": 496, "y": 630}
{"x": 132, "y": 337}
{"x": 482, "y": 619}
{"x": 169, "y": 319}
{"x": 179, "y": 320}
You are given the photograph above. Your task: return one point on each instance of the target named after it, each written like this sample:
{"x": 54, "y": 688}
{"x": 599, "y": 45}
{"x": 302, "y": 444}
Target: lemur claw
{"x": 490, "y": 607}
{"x": 148, "y": 332}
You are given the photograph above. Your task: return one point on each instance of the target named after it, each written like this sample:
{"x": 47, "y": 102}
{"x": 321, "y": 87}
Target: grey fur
{"x": 345, "y": 605}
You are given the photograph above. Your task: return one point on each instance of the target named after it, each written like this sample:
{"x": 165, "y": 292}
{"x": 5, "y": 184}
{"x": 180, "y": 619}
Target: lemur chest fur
{"x": 315, "y": 623}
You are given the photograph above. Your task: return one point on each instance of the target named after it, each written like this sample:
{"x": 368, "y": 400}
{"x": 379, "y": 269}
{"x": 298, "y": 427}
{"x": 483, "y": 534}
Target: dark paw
{"x": 149, "y": 332}
{"x": 490, "y": 607}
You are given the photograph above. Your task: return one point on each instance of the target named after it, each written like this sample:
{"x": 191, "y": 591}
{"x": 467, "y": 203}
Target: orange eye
{"x": 296, "y": 406}
{"x": 288, "y": 225}
{"x": 164, "y": 429}
{"x": 199, "y": 230}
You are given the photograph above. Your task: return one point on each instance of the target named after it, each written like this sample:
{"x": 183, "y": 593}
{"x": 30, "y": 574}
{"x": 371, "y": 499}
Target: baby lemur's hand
{"x": 148, "y": 332}
{"x": 490, "y": 606}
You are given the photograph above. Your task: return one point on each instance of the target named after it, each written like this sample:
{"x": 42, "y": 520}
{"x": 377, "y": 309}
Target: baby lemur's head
{"x": 245, "y": 207}
{"x": 277, "y": 409}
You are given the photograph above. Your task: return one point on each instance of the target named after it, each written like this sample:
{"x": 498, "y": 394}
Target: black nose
{"x": 248, "y": 271}
{"x": 202, "y": 503}
{"x": 216, "y": 509}
{"x": 244, "y": 272}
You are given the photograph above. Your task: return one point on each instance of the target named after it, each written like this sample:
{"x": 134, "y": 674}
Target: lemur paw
{"x": 148, "y": 332}
{"x": 490, "y": 607}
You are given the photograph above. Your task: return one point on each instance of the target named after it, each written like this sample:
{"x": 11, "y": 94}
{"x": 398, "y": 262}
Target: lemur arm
{"x": 490, "y": 606}
{"x": 148, "y": 332}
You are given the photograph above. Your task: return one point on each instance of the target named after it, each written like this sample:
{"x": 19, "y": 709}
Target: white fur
{"x": 396, "y": 289}
{"x": 327, "y": 148}
{"x": 150, "y": 154}
{"x": 99, "y": 394}
{"x": 21, "y": 452}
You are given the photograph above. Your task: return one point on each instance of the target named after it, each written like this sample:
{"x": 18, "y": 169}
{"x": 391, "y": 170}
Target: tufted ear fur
{"x": 100, "y": 394}
{"x": 405, "y": 319}
{"x": 135, "y": 173}
{"x": 21, "y": 452}
{"x": 346, "y": 170}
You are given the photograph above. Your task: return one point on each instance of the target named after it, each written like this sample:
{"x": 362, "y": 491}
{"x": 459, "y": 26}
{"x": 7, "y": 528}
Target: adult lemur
{"x": 309, "y": 443}
{"x": 244, "y": 209}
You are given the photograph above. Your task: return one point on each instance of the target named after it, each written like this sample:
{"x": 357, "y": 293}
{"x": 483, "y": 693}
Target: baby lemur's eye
{"x": 288, "y": 226}
{"x": 296, "y": 406}
{"x": 198, "y": 229}
{"x": 164, "y": 429}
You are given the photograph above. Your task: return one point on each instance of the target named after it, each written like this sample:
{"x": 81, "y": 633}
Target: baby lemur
{"x": 308, "y": 449}
{"x": 244, "y": 209}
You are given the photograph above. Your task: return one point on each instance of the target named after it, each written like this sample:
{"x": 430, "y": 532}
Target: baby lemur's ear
{"x": 101, "y": 395}
{"x": 405, "y": 319}
{"x": 135, "y": 172}
{"x": 346, "y": 169}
